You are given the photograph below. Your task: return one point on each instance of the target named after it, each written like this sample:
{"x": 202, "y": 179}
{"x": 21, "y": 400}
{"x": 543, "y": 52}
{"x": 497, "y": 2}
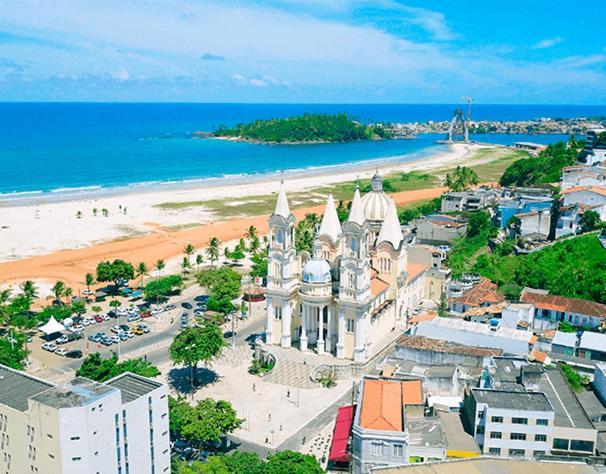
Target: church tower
{"x": 354, "y": 287}
{"x": 282, "y": 273}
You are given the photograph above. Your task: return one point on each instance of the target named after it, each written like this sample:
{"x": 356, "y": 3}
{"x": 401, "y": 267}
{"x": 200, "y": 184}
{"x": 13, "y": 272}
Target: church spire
{"x": 330, "y": 225}
{"x": 282, "y": 207}
{"x": 356, "y": 213}
{"x": 390, "y": 230}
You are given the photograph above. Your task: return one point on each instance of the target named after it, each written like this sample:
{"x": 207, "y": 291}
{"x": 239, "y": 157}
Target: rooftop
{"x": 457, "y": 438}
{"x": 17, "y": 387}
{"x": 133, "y": 386}
{"x": 512, "y": 400}
{"x": 77, "y": 393}
{"x": 439, "y": 345}
{"x": 383, "y": 402}
{"x": 567, "y": 409}
{"x": 471, "y": 327}
{"x": 592, "y": 189}
{"x": 484, "y": 291}
{"x": 561, "y": 303}
{"x": 424, "y": 432}
{"x": 568, "y": 339}
{"x": 593, "y": 341}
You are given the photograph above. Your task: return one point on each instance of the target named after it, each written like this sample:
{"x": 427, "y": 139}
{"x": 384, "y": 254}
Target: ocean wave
{"x": 75, "y": 189}
{"x": 19, "y": 194}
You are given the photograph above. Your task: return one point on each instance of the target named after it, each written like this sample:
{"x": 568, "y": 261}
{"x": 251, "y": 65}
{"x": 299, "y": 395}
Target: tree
{"x": 159, "y": 266}
{"x": 162, "y": 287}
{"x": 212, "y": 251}
{"x": 79, "y": 215}
{"x": 141, "y": 271}
{"x": 461, "y": 178}
{"x": 590, "y": 220}
{"x": 251, "y": 233}
{"x": 101, "y": 369}
{"x": 224, "y": 285}
{"x": 58, "y": 290}
{"x": 117, "y": 272}
{"x": 96, "y": 309}
{"x": 12, "y": 350}
{"x": 79, "y": 307}
{"x": 259, "y": 265}
{"x": 196, "y": 344}
{"x": 105, "y": 212}
{"x": 254, "y": 245}
{"x": 292, "y": 462}
{"x": 29, "y": 289}
{"x": 189, "y": 251}
{"x": 89, "y": 279}
{"x": 185, "y": 265}
{"x": 95, "y": 211}
{"x": 199, "y": 261}
{"x": 205, "y": 423}
{"x": 115, "y": 304}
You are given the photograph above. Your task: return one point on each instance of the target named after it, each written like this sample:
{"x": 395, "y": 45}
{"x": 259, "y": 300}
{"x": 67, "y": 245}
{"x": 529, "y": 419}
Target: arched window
{"x": 280, "y": 237}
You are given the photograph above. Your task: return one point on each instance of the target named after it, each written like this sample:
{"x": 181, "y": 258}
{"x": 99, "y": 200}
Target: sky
{"x": 322, "y": 51}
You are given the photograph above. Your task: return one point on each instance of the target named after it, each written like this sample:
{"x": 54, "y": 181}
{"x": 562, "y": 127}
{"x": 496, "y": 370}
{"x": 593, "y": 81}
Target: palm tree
{"x": 95, "y": 211}
{"x": 185, "y": 265}
{"x": 251, "y": 233}
{"x": 89, "y": 279}
{"x": 254, "y": 245}
{"x": 160, "y": 265}
{"x": 5, "y": 295}
{"x": 199, "y": 261}
{"x": 141, "y": 271}
{"x": 68, "y": 294}
{"x": 58, "y": 290}
{"x": 213, "y": 250}
{"x": 189, "y": 251}
{"x": 29, "y": 289}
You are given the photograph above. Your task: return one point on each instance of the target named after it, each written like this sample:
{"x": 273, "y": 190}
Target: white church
{"x": 356, "y": 287}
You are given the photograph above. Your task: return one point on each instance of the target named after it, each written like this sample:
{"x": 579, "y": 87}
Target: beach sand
{"x": 46, "y": 242}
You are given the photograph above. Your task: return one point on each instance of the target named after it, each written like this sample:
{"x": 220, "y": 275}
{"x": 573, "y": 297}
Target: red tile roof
{"x": 561, "y": 303}
{"x": 594, "y": 189}
{"x": 482, "y": 292}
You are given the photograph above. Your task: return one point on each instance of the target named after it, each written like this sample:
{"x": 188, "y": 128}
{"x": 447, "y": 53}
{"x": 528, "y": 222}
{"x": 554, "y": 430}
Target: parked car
{"x": 74, "y": 354}
{"x": 187, "y": 305}
{"x": 228, "y": 334}
{"x": 61, "y": 340}
{"x": 49, "y": 346}
{"x": 138, "y": 332}
{"x": 61, "y": 351}
{"x": 199, "y": 312}
{"x": 124, "y": 327}
{"x": 116, "y": 329}
{"x": 201, "y": 305}
{"x": 144, "y": 327}
{"x": 106, "y": 341}
{"x": 123, "y": 336}
{"x": 98, "y": 319}
{"x": 133, "y": 317}
{"x": 94, "y": 338}
{"x": 169, "y": 307}
{"x": 77, "y": 327}
{"x": 105, "y": 317}
{"x": 184, "y": 324}
{"x": 115, "y": 339}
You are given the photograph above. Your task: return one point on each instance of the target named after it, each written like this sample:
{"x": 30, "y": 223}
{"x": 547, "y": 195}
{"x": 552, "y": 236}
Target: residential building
{"x": 535, "y": 224}
{"x": 557, "y": 309}
{"x": 583, "y": 175}
{"x": 569, "y": 220}
{"x": 583, "y": 344}
{"x": 518, "y": 316}
{"x": 470, "y": 292}
{"x": 81, "y": 427}
{"x": 599, "y": 381}
{"x": 593, "y": 153}
{"x": 440, "y": 229}
{"x": 510, "y": 341}
{"x": 593, "y": 197}
{"x": 355, "y": 288}
{"x": 522, "y": 205}
{"x": 390, "y": 427}
{"x": 470, "y": 200}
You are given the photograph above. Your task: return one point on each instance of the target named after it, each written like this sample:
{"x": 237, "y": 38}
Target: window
{"x": 542, "y": 421}
{"x": 560, "y": 443}
{"x": 480, "y": 430}
{"x": 496, "y": 435}
{"x": 538, "y": 453}
{"x": 518, "y": 436}
{"x": 494, "y": 451}
{"x": 540, "y": 437}
{"x": 517, "y": 452}
{"x": 580, "y": 445}
{"x": 519, "y": 421}
{"x": 398, "y": 450}
{"x": 351, "y": 324}
{"x": 74, "y": 438}
{"x": 497, "y": 419}
{"x": 77, "y": 459}
{"x": 376, "y": 449}
{"x": 480, "y": 415}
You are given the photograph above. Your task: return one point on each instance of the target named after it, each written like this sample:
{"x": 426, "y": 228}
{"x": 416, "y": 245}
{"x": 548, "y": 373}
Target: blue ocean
{"x": 51, "y": 149}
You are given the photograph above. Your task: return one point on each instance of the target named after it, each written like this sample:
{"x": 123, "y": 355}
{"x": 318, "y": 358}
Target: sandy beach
{"x": 51, "y": 241}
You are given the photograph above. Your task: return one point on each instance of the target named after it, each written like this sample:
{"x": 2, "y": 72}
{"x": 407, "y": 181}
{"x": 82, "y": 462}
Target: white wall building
{"x": 583, "y": 175}
{"x": 354, "y": 288}
{"x": 82, "y": 427}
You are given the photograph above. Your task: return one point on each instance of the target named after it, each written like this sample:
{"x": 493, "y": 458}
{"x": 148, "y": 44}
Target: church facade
{"x": 354, "y": 288}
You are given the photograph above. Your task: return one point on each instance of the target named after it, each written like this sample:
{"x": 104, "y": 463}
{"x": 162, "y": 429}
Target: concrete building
{"x": 518, "y": 316}
{"x": 584, "y": 345}
{"x": 557, "y": 309}
{"x": 438, "y": 229}
{"x": 471, "y": 200}
{"x": 356, "y": 287}
{"x": 569, "y": 220}
{"x": 535, "y": 224}
{"x": 592, "y": 197}
{"x": 390, "y": 428}
{"x": 599, "y": 381}
{"x": 594, "y": 153}
{"x": 469, "y": 293}
{"x": 510, "y": 341}
{"x": 583, "y": 175}
{"x": 521, "y": 205}
{"x": 81, "y": 427}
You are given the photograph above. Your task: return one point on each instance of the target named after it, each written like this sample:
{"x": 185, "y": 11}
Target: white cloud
{"x": 547, "y": 43}
{"x": 121, "y": 74}
{"x": 431, "y": 21}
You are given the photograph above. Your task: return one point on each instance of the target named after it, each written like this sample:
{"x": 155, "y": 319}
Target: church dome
{"x": 376, "y": 202}
{"x": 317, "y": 270}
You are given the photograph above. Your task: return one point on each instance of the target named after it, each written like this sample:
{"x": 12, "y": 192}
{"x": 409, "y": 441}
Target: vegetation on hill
{"x": 305, "y": 128}
{"x": 543, "y": 169}
{"x": 461, "y": 178}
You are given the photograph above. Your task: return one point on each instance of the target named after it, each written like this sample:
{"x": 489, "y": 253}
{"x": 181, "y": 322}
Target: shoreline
{"x": 48, "y": 242}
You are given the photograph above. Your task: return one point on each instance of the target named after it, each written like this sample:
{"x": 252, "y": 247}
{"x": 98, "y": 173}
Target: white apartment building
{"x": 82, "y": 427}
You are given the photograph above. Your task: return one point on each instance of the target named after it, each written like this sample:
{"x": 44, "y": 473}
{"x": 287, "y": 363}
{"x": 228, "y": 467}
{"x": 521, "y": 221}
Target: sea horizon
{"x": 52, "y": 149}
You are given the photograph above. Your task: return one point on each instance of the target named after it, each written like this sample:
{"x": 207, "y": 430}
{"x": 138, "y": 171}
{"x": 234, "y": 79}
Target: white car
{"x": 105, "y": 317}
{"x": 115, "y": 339}
{"x": 49, "y": 346}
{"x": 77, "y": 327}
{"x": 87, "y": 322}
{"x": 116, "y": 329}
{"x": 61, "y": 351}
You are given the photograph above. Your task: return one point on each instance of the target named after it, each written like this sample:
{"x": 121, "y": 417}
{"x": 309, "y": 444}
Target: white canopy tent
{"x": 52, "y": 326}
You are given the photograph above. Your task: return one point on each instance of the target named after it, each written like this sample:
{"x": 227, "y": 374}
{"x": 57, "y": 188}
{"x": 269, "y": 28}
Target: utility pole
{"x": 233, "y": 330}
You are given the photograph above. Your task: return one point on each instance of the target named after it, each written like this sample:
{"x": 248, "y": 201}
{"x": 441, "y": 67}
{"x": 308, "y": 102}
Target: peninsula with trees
{"x": 307, "y": 128}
